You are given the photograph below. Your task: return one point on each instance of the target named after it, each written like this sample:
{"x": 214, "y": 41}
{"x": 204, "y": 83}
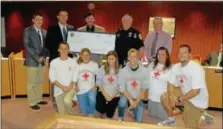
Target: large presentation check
{"x": 98, "y": 43}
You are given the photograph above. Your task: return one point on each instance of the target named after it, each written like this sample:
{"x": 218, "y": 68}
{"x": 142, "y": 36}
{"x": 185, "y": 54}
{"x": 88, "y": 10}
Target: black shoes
{"x": 42, "y": 103}
{"x": 35, "y": 107}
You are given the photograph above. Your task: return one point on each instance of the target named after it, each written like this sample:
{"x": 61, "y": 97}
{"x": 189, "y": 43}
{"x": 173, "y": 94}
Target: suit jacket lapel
{"x": 59, "y": 32}
{"x": 35, "y": 34}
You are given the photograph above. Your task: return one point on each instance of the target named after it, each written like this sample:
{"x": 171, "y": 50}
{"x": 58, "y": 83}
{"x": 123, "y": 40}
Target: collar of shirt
{"x": 37, "y": 29}
{"x": 62, "y": 26}
{"x": 127, "y": 30}
{"x": 92, "y": 29}
{"x": 159, "y": 32}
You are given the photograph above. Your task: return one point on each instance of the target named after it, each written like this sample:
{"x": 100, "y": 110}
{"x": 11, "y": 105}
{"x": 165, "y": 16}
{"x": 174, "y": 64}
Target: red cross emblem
{"x": 85, "y": 76}
{"x": 134, "y": 84}
{"x": 181, "y": 81}
{"x": 110, "y": 79}
{"x": 156, "y": 74}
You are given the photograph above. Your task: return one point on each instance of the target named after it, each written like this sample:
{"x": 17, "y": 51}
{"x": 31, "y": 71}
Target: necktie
{"x": 64, "y": 34}
{"x": 40, "y": 38}
{"x": 153, "y": 49}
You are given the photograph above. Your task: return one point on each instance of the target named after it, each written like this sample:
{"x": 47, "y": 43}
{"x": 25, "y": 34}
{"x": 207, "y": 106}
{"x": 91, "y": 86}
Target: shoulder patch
{"x": 140, "y": 36}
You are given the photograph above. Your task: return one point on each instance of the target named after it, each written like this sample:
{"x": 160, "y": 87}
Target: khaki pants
{"x": 64, "y": 102}
{"x": 35, "y": 76}
{"x": 192, "y": 115}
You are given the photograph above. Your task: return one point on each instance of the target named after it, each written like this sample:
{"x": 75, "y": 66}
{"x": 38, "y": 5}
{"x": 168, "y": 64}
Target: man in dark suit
{"x": 215, "y": 59}
{"x": 34, "y": 43}
{"x": 57, "y": 33}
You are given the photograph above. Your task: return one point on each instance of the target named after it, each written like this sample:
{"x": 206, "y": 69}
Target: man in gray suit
{"x": 34, "y": 43}
{"x": 214, "y": 59}
{"x": 92, "y": 27}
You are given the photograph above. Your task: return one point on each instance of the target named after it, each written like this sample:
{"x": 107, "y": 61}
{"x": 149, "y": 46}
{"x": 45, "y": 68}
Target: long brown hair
{"x": 167, "y": 63}
{"x": 107, "y": 67}
{"x": 80, "y": 60}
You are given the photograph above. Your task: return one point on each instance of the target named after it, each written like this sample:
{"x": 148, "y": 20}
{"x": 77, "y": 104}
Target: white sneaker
{"x": 120, "y": 119}
{"x": 208, "y": 118}
{"x": 167, "y": 122}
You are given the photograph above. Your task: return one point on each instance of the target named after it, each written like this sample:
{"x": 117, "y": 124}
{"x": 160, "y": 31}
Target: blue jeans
{"x": 138, "y": 111}
{"x": 87, "y": 102}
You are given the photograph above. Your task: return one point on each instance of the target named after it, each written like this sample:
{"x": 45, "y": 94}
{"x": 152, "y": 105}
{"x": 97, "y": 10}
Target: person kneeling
{"x": 160, "y": 74}
{"x": 133, "y": 82}
{"x": 108, "y": 96}
{"x": 62, "y": 70}
{"x": 85, "y": 79}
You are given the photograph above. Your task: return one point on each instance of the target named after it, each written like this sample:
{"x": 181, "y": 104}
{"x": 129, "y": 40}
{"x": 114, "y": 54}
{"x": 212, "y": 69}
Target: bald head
{"x": 157, "y": 23}
{"x": 127, "y": 21}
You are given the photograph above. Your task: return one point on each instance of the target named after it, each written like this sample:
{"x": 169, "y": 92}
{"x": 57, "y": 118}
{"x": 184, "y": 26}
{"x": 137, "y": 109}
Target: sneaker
{"x": 167, "y": 122}
{"x": 120, "y": 119}
{"x": 208, "y": 118}
{"x": 35, "y": 107}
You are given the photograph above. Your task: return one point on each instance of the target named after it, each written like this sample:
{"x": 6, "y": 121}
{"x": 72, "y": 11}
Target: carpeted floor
{"x": 17, "y": 115}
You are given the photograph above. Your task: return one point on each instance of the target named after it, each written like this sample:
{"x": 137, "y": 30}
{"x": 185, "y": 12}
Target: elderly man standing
{"x": 127, "y": 38}
{"x": 158, "y": 38}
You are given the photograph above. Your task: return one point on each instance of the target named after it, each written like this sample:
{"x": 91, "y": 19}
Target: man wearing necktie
{"x": 57, "y": 34}
{"x": 215, "y": 59}
{"x": 34, "y": 43}
{"x": 156, "y": 39}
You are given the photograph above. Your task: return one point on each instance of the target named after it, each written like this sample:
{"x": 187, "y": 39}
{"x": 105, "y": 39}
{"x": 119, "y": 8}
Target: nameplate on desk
{"x": 98, "y": 43}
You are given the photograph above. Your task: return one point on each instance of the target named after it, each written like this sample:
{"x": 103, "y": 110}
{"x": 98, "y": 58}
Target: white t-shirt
{"x": 191, "y": 76}
{"x": 86, "y": 76}
{"x": 158, "y": 81}
{"x": 62, "y": 71}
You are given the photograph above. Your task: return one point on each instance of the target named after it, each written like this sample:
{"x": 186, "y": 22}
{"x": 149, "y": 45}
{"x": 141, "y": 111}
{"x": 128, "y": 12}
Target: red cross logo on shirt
{"x": 85, "y": 76}
{"x": 110, "y": 79}
{"x": 156, "y": 74}
{"x": 134, "y": 84}
{"x": 181, "y": 81}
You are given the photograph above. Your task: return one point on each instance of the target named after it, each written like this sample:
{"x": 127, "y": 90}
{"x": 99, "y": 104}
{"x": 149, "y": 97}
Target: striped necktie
{"x": 153, "y": 48}
{"x": 64, "y": 34}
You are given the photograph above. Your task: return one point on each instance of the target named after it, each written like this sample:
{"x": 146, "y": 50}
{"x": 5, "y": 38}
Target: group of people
{"x": 122, "y": 81}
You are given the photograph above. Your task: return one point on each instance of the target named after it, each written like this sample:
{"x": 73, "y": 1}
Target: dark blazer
{"x": 53, "y": 39}
{"x": 33, "y": 47}
{"x": 212, "y": 59}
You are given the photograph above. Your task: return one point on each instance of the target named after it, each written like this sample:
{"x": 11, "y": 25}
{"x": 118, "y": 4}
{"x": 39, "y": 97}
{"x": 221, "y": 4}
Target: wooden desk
{"x": 5, "y": 78}
{"x": 72, "y": 122}
{"x": 214, "y": 85}
{"x": 20, "y": 78}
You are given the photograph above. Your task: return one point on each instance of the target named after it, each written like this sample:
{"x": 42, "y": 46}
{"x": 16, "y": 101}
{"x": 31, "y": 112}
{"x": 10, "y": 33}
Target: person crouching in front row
{"x": 85, "y": 79}
{"x": 133, "y": 82}
{"x": 61, "y": 73}
{"x": 108, "y": 96}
